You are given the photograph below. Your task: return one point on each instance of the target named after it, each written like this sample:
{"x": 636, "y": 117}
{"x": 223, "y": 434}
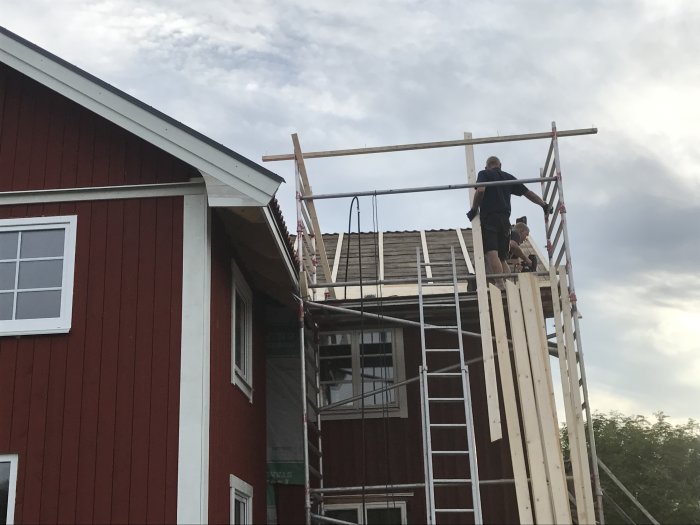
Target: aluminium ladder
{"x": 428, "y": 380}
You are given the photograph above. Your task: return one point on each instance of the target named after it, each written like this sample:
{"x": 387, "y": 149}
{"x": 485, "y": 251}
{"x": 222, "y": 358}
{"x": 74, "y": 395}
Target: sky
{"x": 369, "y": 73}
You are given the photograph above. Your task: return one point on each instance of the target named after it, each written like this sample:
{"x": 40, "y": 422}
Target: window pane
{"x": 240, "y": 335}
{"x": 382, "y": 398}
{"x": 7, "y": 275}
{"x": 8, "y": 245}
{"x": 40, "y": 274}
{"x": 336, "y": 350}
{"x": 4, "y": 490}
{"x": 42, "y": 243}
{"x": 239, "y": 511}
{"x": 350, "y": 515}
{"x": 6, "y": 301}
{"x": 339, "y": 369}
{"x": 38, "y": 305}
{"x": 335, "y": 339}
{"x": 376, "y": 337}
{"x": 337, "y": 392}
{"x": 386, "y": 516}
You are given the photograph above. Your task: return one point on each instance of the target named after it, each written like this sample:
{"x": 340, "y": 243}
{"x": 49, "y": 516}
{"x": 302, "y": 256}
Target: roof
{"x": 392, "y": 256}
{"x": 232, "y": 179}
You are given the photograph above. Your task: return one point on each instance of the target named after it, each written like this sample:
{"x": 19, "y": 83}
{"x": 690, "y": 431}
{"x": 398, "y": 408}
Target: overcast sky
{"x": 367, "y": 73}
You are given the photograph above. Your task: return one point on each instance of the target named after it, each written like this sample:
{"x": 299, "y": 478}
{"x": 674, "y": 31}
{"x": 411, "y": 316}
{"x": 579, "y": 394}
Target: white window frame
{"x": 400, "y": 408}
{"x": 243, "y": 492}
{"x": 13, "y": 460}
{"x": 54, "y": 325}
{"x": 242, "y": 377}
{"x": 401, "y": 505}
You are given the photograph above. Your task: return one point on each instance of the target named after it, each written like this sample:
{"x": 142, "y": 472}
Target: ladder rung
{"x": 435, "y": 282}
{"x": 451, "y": 481}
{"x": 442, "y": 350}
{"x": 315, "y": 472}
{"x": 437, "y": 264}
{"x": 448, "y": 425}
{"x": 455, "y": 510}
{"x": 446, "y": 399}
{"x": 449, "y": 452}
{"x": 444, "y": 374}
{"x": 440, "y": 327}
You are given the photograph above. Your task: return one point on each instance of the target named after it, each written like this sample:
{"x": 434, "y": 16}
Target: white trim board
{"x": 99, "y": 193}
{"x": 193, "y": 446}
{"x": 281, "y": 244}
{"x": 13, "y": 460}
{"x": 127, "y": 114}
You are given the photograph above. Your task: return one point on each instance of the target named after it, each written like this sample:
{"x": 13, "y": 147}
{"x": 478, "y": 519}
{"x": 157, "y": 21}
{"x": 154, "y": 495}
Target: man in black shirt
{"x": 493, "y": 203}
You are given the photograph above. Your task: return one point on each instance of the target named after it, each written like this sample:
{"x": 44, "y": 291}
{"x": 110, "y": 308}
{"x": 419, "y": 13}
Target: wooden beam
{"x": 432, "y": 145}
{"x": 515, "y": 440}
{"x": 465, "y": 253}
{"x": 544, "y": 396}
{"x": 426, "y": 255}
{"x": 492, "y": 400}
{"x": 533, "y": 439}
{"x": 320, "y": 246}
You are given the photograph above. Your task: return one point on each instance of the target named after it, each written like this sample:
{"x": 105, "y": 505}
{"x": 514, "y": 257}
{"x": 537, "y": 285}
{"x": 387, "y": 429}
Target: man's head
{"x": 523, "y": 231}
{"x": 493, "y": 162}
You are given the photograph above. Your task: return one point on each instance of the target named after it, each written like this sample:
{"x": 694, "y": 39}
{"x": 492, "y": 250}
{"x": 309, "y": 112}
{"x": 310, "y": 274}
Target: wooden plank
{"x": 515, "y": 440}
{"x": 431, "y": 145}
{"x": 533, "y": 439}
{"x": 381, "y": 256}
{"x": 572, "y": 402}
{"x": 544, "y": 396}
{"x": 492, "y": 400}
{"x": 104, "y": 466}
{"x": 336, "y": 257}
{"x": 426, "y": 255}
{"x": 311, "y": 207}
{"x": 465, "y": 252}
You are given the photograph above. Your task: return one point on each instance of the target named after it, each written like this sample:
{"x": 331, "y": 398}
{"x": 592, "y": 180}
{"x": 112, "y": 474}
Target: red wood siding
{"x": 48, "y": 141}
{"x": 237, "y": 439}
{"x": 393, "y": 447}
{"x": 93, "y": 414}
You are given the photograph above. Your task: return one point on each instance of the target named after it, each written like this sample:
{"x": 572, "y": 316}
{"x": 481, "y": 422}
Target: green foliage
{"x": 657, "y": 461}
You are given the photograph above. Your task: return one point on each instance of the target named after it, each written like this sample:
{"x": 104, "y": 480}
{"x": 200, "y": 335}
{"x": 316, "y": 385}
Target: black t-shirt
{"x": 497, "y": 198}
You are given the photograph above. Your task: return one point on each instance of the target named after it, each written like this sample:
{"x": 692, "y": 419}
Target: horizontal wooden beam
{"x": 432, "y": 145}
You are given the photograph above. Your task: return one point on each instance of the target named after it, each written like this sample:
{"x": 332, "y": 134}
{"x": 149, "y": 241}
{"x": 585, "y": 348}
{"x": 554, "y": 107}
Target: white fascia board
{"x": 222, "y": 195}
{"x": 138, "y": 121}
{"x": 280, "y": 241}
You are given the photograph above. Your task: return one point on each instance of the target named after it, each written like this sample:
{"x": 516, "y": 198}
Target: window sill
{"x": 37, "y": 331}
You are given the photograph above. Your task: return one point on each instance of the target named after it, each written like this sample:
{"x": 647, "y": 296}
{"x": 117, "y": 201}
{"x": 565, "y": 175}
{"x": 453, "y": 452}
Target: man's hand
{"x": 471, "y": 214}
{"x": 548, "y": 210}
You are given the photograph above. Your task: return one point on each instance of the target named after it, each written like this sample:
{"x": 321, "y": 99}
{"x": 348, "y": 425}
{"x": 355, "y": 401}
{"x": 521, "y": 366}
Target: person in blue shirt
{"x": 492, "y": 203}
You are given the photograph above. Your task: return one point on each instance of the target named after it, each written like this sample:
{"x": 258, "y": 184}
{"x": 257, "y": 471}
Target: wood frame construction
{"x": 536, "y": 450}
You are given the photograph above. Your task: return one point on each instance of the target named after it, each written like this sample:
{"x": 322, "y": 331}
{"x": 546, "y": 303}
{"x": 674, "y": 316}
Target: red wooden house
{"x": 132, "y": 327}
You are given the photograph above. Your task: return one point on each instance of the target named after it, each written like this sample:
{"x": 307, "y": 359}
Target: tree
{"x": 657, "y": 461}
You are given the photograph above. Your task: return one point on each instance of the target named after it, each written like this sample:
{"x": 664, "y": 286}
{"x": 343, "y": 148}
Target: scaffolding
{"x": 548, "y": 480}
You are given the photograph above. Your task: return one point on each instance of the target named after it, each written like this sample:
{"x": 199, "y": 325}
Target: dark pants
{"x": 495, "y": 231}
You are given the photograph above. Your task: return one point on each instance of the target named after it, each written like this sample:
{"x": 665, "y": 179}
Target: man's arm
{"x": 478, "y": 197}
{"x": 518, "y": 252}
{"x": 533, "y": 197}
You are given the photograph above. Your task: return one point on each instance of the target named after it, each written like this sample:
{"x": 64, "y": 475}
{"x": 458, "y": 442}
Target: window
{"x": 354, "y": 362}
{"x": 241, "y": 501}
{"x": 37, "y": 256}
{"x": 8, "y": 484}
{"x": 376, "y": 513}
{"x": 241, "y": 333}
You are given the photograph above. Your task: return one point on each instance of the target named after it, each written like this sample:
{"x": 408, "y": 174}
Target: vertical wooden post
{"x": 492, "y": 399}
